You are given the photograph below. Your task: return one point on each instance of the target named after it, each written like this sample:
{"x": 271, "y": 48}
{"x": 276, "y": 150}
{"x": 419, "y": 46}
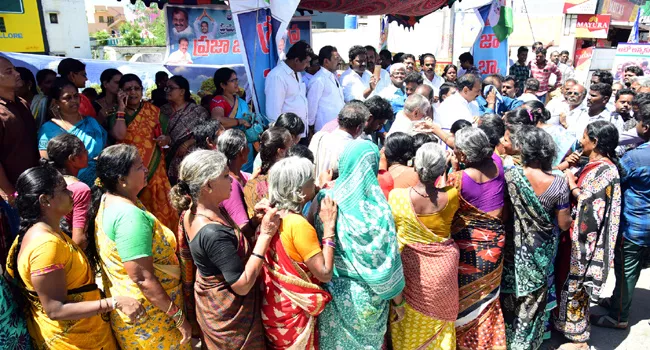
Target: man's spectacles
{"x": 572, "y": 93}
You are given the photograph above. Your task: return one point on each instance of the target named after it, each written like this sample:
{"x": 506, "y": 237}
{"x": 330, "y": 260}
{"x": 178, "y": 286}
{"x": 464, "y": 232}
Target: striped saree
{"x": 480, "y": 238}
{"x": 430, "y": 261}
{"x": 292, "y": 301}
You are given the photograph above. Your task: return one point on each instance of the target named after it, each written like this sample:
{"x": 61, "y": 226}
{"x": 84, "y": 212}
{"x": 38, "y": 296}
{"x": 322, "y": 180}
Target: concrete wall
{"x": 69, "y": 37}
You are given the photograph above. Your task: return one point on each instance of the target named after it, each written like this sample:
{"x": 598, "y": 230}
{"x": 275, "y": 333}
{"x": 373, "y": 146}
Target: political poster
{"x": 266, "y": 32}
{"x": 21, "y": 27}
{"x": 631, "y": 55}
{"x": 201, "y": 35}
{"x": 490, "y": 54}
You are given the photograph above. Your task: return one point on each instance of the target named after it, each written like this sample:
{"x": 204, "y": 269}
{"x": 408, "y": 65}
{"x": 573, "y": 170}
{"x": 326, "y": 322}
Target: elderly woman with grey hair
{"x": 423, "y": 217}
{"x": 226, "y": 291}
{"x": 540, "y": 210}
{"x": 295, "y": 262}
{"x": 479, "y": 231}
{"x": 232, "y": 143}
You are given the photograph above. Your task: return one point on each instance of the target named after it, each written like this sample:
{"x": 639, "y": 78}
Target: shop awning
{"x": 408, "y": 11}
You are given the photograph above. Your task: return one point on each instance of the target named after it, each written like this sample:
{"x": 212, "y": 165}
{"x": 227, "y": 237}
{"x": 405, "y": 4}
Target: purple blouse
{"x": 235, "y": 205}
{"x": 486, "y": 196}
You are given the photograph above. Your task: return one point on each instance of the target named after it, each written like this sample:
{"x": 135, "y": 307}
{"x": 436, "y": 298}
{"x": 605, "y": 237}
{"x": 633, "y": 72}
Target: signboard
{"x": 490, "y": 54}
{"x": 631, "y": 55}
{"x": 583, "y": 63}
{"x": 578, "y": 7}
{"x": 592, "y": 26}
{"x": 20, "y": 26}
{"x": 620, "y": 10}
{"x": 298, "y": 29}
{"x": 201, "y": 36}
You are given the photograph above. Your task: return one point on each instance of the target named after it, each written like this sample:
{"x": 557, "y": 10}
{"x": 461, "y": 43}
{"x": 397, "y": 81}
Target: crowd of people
{"x": 383, "y": 207}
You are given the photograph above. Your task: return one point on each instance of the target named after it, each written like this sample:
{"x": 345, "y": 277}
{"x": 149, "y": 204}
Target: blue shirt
{"x": 636, "y": 195}
{"x": 507, "y": 105}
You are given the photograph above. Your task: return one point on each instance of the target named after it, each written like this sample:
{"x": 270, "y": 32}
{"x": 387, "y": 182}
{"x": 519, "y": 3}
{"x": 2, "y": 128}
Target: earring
{"x": 48, "y": 204}
{"x": 209, "y": 190}
{"x": 123, "y": 185}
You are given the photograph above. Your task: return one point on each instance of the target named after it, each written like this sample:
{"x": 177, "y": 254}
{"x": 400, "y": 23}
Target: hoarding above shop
{"x": 592, "y": 26}
{"x": 579, "y": 7}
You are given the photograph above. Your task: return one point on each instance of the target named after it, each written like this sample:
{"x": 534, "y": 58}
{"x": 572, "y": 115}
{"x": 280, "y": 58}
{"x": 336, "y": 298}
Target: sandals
{"x": 607, "y": 322}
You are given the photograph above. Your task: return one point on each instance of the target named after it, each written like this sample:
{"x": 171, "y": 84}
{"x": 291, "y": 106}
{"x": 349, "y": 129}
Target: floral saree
{"x": 292, "y": 301}
{"x": 188, "y": 275}
{"x": 158, "y": 329}
{"x": 480, "y": 238}
{"x": 142, "y": 127}
{"x": 367, "y": 265}
{"x": 431, "y": 273}
{"x": 528, "y": 262}
{"x": 583, "y": 268}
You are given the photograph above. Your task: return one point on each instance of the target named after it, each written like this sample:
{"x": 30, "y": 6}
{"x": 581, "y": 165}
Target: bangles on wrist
{"x": 400, "y": 304}
{"x": 328, "y": 242}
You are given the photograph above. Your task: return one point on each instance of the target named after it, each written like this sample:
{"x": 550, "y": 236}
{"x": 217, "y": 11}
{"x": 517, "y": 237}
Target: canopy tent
{"x": 404, "y": 12}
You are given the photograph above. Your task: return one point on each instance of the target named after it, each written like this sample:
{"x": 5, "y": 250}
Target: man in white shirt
{"x": 462, "y": 104}
{"x": 327, "y": 147}
{"x": 371, "y": 62}
{"x": 284, "y": 88}
{"x": 310, "y": 72}
{"x": 415, "y": 110}
{"x": 202, "y": 28}
{"x": 597, "y": 99}
{"x": 324, "y": 93}
{"x": 181, "y": 56}
{"x": 559, "y": 104}
{"x": 567, "y": 71}
{"x": 531, "y": 86}
{"x": 395, "y": 93}
{"x": 357, "y": 82}
{"x": 181, "y": 27}
{"x": 428, "y": 64}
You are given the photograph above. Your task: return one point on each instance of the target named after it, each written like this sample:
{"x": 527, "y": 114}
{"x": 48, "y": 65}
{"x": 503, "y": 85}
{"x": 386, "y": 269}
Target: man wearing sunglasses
{"x": 75, "y": 72}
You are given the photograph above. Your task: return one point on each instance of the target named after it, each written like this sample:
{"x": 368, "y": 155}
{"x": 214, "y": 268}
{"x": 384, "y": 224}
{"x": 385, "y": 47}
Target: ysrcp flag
{"x": 262, "y": 28}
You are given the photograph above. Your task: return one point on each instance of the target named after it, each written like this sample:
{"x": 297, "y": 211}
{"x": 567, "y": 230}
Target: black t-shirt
{"x": 214, "y": 250}
{"x": 158, "y": 97}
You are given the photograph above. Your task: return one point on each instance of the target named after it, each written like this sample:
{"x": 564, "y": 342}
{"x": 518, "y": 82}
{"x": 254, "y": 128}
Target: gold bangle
{"x": 329, "y": 237}
{"x": 171, "y": 303}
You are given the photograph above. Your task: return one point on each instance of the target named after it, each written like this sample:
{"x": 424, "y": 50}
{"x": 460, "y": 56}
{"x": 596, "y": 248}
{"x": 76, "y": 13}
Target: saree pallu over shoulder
{"x": 480, "y": 238}
{"x": 292, "y": 301}
{"x": 593, "y": 238}
{"x": 188, "y": 275}
{"x": 528, "y": 263}
{"x": 534, "y": 239}
{"x": 157, "y": 330}
{"x": 141, "y": 128}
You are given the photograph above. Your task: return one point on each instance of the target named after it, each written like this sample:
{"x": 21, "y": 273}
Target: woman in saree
{"x": 562, "y": 139}
{"x": 399, "y": 151}
{"x": 228, "y": 296}
{"x": 141, "y": 124}
{"x": 296, "y": 264}
{"x": 587, "y": 251}
{"x": 106, "y": 103}
{"x": 539, "y": 211}
{"x": 183, "y": 115}
{"x": 274, "y": 144}
{"x": 136, "y": 253}
{"x": 368, "y": 274}
{"x": 230, "y": 109}
{"x": 480, "y": 234}
{"x": 423, "y": 216}
{"x": 54, "y": 279}
{"x": 66, "y": 118}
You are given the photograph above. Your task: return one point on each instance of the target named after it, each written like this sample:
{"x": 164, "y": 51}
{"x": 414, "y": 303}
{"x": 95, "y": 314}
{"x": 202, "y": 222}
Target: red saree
{"x": 292, "y": 301}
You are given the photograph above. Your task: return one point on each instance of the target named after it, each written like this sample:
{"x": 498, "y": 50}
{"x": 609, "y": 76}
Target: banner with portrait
{"x": 631, "y": 55}
{"x": 201, "y": 35}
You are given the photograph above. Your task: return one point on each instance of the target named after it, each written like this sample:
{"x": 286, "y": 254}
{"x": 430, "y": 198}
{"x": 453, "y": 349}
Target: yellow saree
{"x": 157, "y": 330}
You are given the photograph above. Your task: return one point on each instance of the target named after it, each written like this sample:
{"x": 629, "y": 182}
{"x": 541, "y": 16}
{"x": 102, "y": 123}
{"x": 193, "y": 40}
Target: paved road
{"x": 636, "y": 337}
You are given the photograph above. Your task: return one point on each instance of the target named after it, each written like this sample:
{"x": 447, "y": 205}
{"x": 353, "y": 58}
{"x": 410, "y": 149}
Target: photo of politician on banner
{"x": 201, "y": 36}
